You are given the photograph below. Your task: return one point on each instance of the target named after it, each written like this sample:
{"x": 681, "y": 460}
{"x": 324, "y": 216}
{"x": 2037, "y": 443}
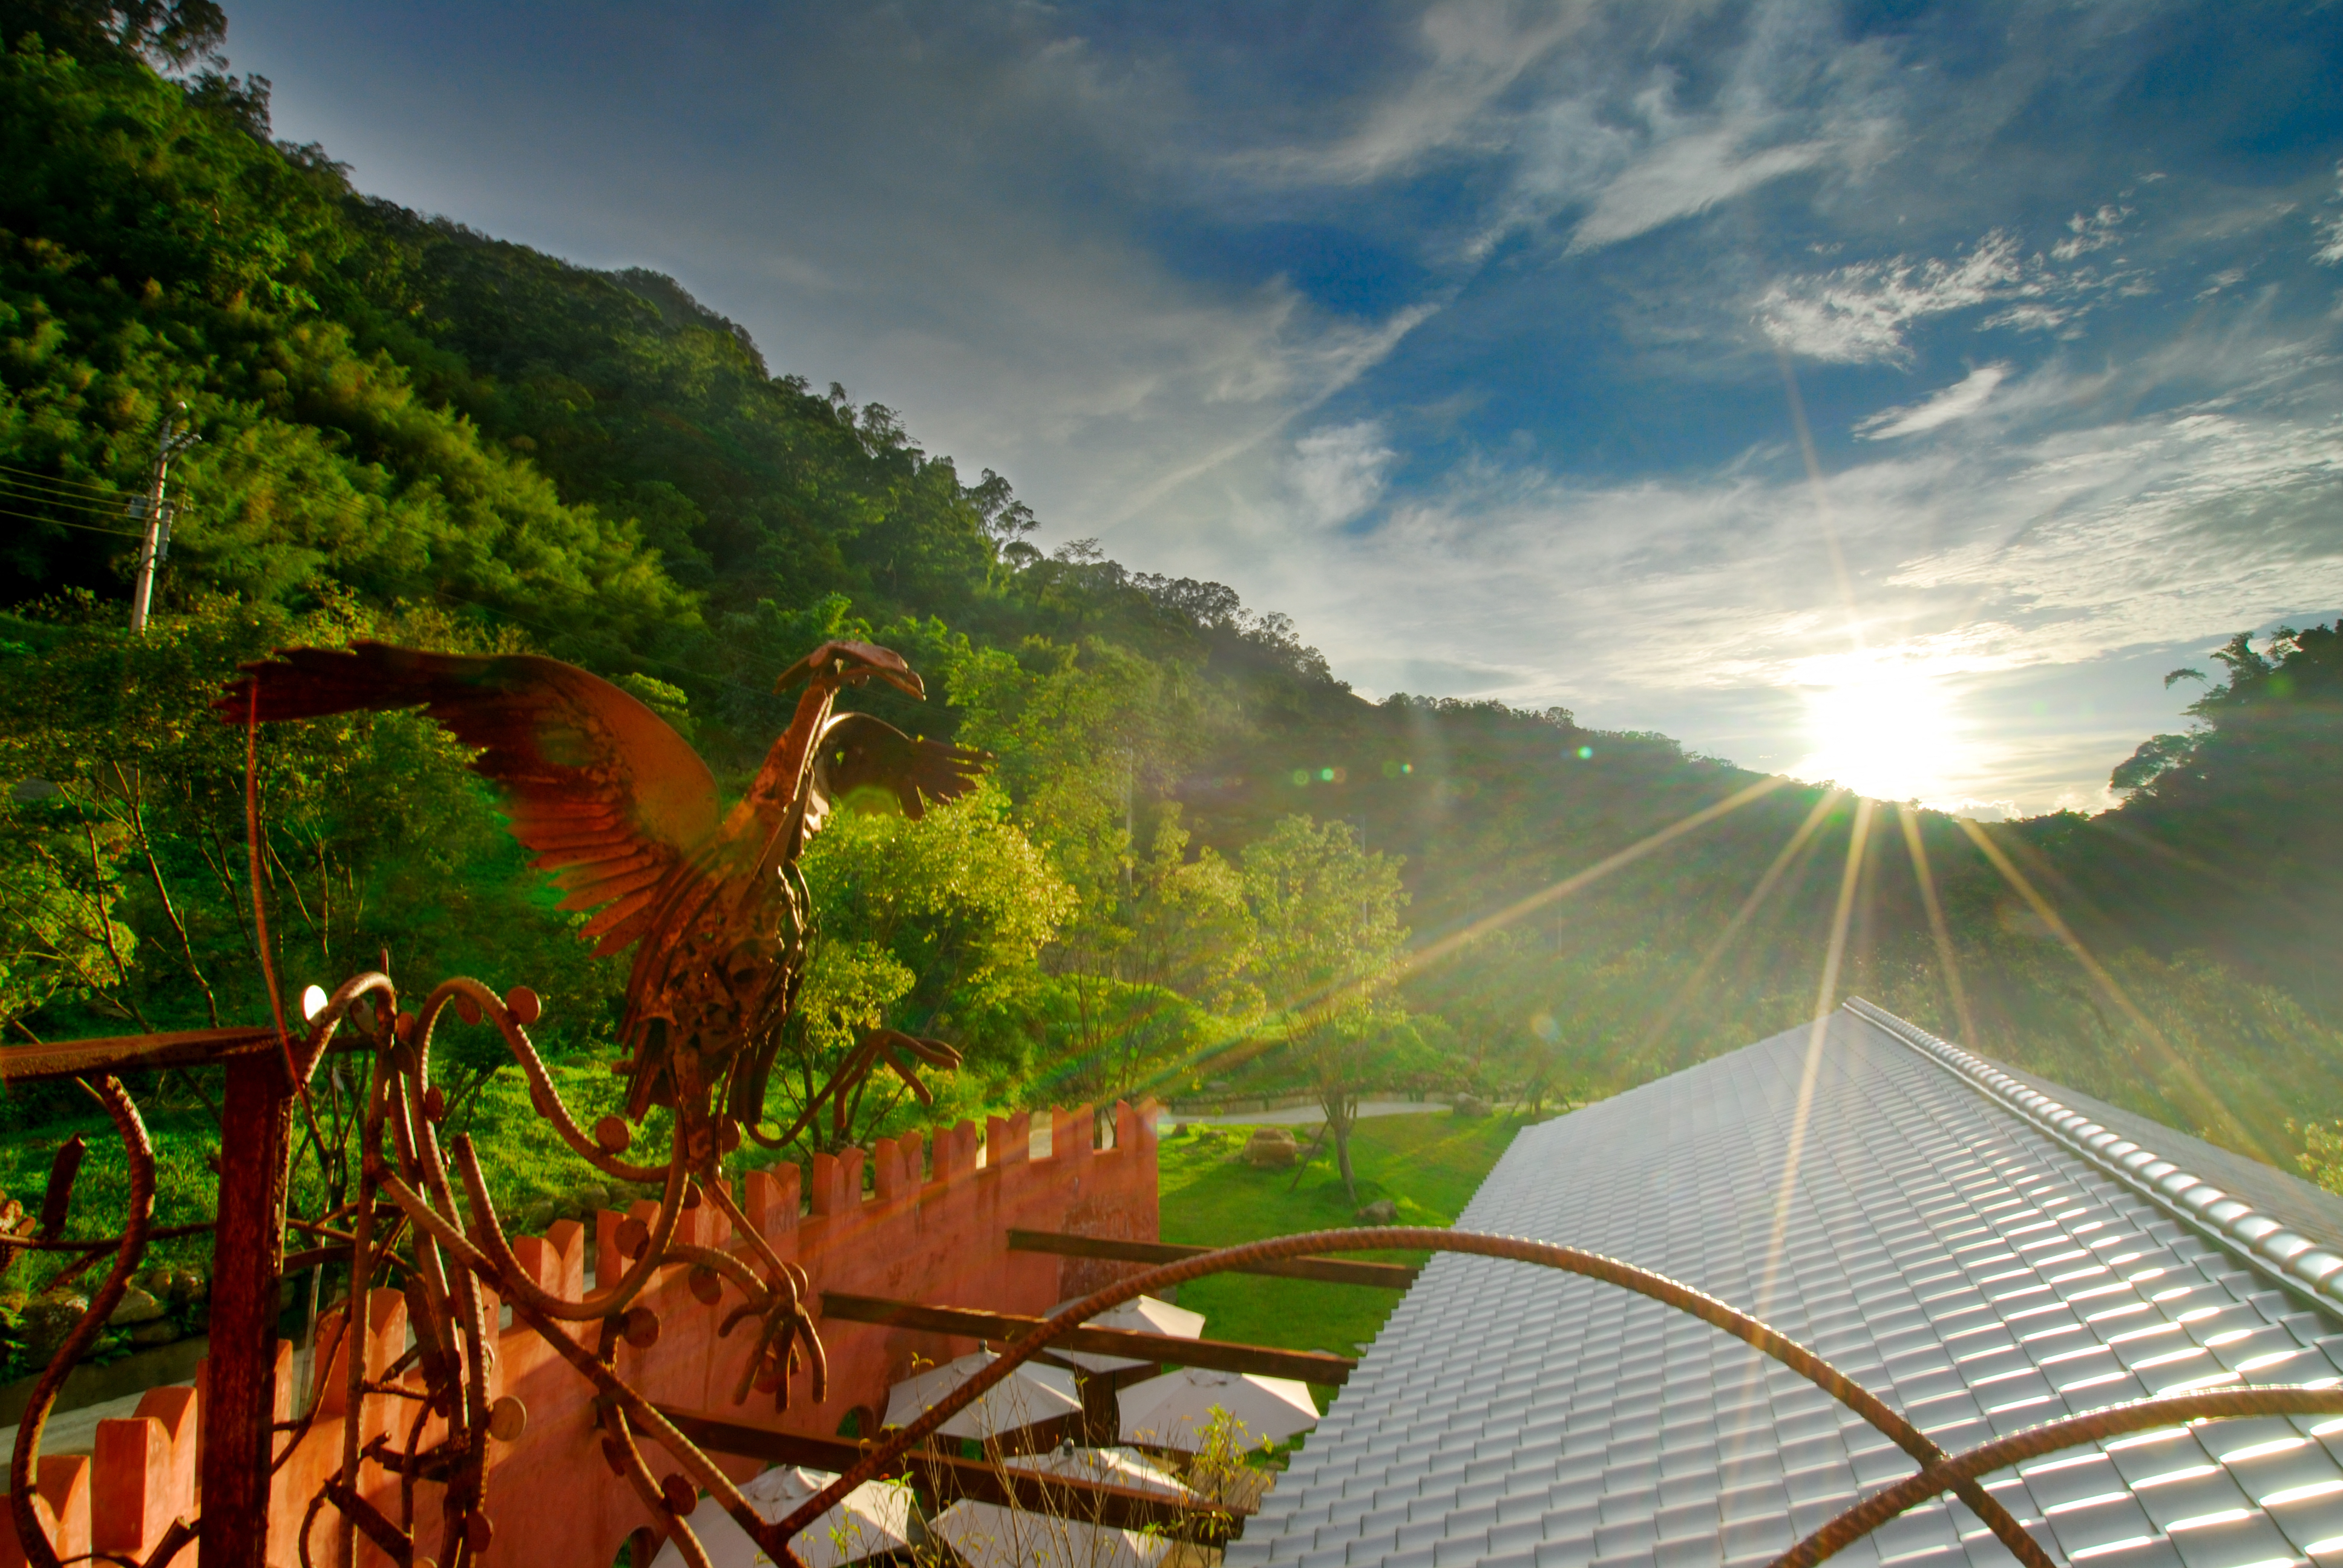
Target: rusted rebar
{"x": 775, "y": 1538}
{"x": 2092, "y": 1426}
{"x": 25, "y": 1464}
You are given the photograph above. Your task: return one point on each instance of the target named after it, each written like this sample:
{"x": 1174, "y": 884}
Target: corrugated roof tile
{"x": 1934, "y": 1238}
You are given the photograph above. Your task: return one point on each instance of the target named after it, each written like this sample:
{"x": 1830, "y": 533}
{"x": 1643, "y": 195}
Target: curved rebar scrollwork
{"x": 628, "y": 821}
{"x": 24, "y": 1467}
{"x": 2092, "y": 1426}
{"x": 406, "y": 1217}
{"x": 1570, "y": 1260}
{"x": 1940, "y": 1473}
{"x": 431, "y": 1242}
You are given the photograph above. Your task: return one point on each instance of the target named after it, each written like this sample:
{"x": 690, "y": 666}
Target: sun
{"x": 1881, "y": 727}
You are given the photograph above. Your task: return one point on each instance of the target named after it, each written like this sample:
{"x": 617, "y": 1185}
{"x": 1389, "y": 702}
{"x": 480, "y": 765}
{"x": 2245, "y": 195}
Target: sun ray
{"x": 1234, "y": 1051}
{"x": 2106, "y": 982}
{"x": 1821, "y": 495}
{"x": 1826, "y": 992}
{"x": 2186, "y": 861}
{"x": 1435, "y": 952}
{"x": 1733, "y": 928}
{"x": 1947, "y": 958}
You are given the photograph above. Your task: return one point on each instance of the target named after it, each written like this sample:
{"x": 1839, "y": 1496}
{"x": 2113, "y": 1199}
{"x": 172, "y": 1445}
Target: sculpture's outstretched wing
{"x": 610, "y": 797}
{"x": 860, "y": 752}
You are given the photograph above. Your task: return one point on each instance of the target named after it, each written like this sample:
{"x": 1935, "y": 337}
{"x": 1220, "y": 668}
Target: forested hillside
{"x": 1201, "y": 857}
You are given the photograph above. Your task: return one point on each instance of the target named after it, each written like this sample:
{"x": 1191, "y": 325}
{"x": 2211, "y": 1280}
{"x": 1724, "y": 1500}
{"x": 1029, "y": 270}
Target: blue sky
{"x": 1887, "y": 393}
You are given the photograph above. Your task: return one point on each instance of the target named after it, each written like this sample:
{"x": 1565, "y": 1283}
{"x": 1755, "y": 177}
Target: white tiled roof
{"x": 1933, "y": 1244}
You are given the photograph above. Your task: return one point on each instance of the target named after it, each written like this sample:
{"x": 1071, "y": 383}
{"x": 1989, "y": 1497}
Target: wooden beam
{"x": 129, "y": 1053}
{"x": 1326, "y": 1271}
{"x": 941, "y": 1480}
{"x": 239, "y": 1402}
{"x": 1220, "y": 1355}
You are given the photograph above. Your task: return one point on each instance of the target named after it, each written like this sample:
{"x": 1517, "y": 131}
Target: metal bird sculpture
{"x": 624, "y": 813}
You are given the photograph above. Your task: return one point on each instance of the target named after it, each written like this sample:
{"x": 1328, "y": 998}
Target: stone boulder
{"x": 46, "y": 1321}
{"x": 137, "y": 1306}
{"x": 171, "y": 1285}
{"x": 1471, "y": 1105}
{"x": 188, "y": 1286}
{"x": 1382, "y": 1212}
{"x": 1272, "y": 1148}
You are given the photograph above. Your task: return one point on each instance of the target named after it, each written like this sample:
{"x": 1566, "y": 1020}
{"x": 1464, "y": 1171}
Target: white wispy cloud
{"x": 1958, "y": 401}
{"x": 1794, "y": 98}
{"x": 1471, "y": 54}
{"x": 1270, "y": 386}
{"x": 2329, "y": 230}
{"x": 1338, "y": 473}
{"x": 1685, "y": 177}
{"x": 1859, "y": 313}
{"x": 1979, "y": 565}
{"x": 2090, "y": 231}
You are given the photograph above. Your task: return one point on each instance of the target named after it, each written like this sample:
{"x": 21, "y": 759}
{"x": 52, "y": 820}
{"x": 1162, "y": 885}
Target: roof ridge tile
{"x": 2310, "y": 1269}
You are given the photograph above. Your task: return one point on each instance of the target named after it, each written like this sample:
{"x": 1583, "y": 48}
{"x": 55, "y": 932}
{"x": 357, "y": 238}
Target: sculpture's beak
{"x": 852, "y": 664}
{"x": 903, "y": 680}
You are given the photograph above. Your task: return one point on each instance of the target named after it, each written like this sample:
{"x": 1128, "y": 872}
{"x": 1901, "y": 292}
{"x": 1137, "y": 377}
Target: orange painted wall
{"x": 930, "y": 1231}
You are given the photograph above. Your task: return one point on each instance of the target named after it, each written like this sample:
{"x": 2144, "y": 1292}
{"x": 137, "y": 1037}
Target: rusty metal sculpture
{"x": 624, "y": 813}
{"x": 621, "y": 809}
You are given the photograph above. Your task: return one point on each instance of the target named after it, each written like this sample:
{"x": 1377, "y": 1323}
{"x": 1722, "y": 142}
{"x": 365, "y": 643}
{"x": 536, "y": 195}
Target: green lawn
{"x": 1429, "y": 1165}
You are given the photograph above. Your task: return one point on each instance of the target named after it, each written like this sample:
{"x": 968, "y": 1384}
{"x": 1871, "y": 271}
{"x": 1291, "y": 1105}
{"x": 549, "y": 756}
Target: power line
{"x": 62, "y": 523}
{"x": 111, "y": 505}
{"x": 57, "y": 482}
{"x": 62, "y": 497}
{"x": 356, "y": 507}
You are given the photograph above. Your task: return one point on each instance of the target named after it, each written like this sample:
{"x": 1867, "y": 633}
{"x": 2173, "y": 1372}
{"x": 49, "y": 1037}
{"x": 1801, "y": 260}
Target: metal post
{"x": 249, "y": 1260}
{"x": 156, "y": 537}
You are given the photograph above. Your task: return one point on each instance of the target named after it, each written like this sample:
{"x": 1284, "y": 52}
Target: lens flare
{"x": 2057, "y": 927}
{"x": 1826, "y": 1000}
{"x": 1948, "y": 959}
{"x": 1733, "y": 928}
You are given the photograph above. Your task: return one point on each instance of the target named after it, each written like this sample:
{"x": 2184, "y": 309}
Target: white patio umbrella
{"x": 1026, "y": 1397}
{"x": 871, "y": 1519}
{"x": 987, "y": 1535}
{"x": 1105, "y": 1467}
{"x": 1175, "y": 1411}
{"x": 1140, "y": 1315}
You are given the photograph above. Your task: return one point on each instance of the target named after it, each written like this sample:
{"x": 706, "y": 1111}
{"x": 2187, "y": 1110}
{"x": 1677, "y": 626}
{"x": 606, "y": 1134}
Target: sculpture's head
{"x": 837, "y": 664}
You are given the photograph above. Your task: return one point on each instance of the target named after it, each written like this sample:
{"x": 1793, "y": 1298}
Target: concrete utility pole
{"x": 156, "y": 544}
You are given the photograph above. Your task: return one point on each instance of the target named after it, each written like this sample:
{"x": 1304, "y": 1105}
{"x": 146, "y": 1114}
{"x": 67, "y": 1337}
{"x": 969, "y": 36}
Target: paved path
{"x": 75, "y": 1430}
{"x": 1301, "y": 1115}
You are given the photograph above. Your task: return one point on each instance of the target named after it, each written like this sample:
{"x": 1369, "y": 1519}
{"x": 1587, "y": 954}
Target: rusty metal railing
{"x": 448, "y": 1254}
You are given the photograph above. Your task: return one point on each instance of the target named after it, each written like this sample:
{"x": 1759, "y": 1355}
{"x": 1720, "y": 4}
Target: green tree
{"x": 60, "y": 882}
{"x": 1080, "y": 735}
{"x": 169, "y": 32}
{"x": 930, "y": 927}
{"x": 2322, "y": 1156}
{"x": 1329, "y": 942}
{"x": 374, "y": 835}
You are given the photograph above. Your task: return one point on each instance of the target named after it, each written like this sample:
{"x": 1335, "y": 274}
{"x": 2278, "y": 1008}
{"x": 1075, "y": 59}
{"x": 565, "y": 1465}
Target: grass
{"x": 1429, "y": 1165}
